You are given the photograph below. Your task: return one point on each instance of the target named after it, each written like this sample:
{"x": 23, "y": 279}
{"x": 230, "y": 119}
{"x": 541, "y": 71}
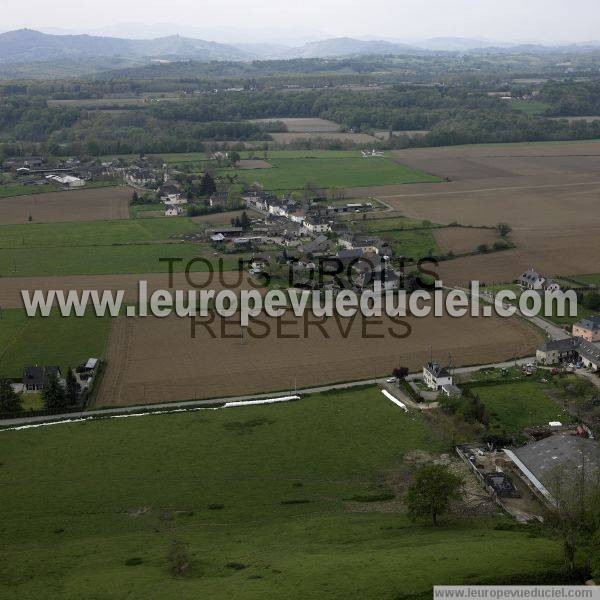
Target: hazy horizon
{"x": 538, "y": 21}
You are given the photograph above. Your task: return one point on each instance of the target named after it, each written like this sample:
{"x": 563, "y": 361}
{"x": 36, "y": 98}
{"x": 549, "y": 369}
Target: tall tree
{"x": 72, "y": 388}
{"x": 53, "y": 394}
{"x": 431, "y": 492}
{"x": 10, "y": 401}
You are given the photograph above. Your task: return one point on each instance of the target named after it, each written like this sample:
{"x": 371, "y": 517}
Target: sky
{"x": 278, "y": 20}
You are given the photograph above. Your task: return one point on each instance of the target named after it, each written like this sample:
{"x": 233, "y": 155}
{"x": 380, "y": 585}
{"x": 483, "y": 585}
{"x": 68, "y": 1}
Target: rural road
{"x": 189, "y": 404}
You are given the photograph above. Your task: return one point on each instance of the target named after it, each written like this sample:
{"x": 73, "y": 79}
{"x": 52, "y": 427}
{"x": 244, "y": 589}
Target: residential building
{"x": 435, "y": 376}
{"x": 588, "y": 328}
{"x": 35, "y": 378}
{"x": 173, "y": 210}
{"x": 532, "y": 280}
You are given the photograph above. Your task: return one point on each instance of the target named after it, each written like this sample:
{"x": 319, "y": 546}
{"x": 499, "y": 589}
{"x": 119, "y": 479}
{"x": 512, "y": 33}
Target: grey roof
{"x": 589, "y": 351}
{"x": 451, "y": 389}
{"x": 38, "y": 375}
{"x": 437, "y": 370}
{"x": 559, "y": 453}
{"x": 592, "y": 322}
{"x": 566, "y": 345}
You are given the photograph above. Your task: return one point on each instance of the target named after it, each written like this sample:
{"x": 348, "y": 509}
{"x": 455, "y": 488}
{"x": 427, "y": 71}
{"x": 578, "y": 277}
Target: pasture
{"x": 97, "y": 204}
{"x": 158, "y": 360}
{"x": 52, "y": 340}
{"x": 260, "y": 497}
{"x": 303, "y": 124}
{"x": 293, "y": 172}
{"x": 102, "y": 247}
{"x": 513, "y": 406}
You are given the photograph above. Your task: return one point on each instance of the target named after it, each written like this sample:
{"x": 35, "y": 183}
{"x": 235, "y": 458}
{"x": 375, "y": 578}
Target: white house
{"x": 173, "y": 211}
{"x": 174, "y": 199}
{"x": 316, "y": 226}
{"x": 435, "y": 376}
{"x": 532, "y": 280}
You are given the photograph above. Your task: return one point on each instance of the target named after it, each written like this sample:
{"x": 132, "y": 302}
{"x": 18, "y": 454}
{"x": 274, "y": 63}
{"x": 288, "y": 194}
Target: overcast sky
{"x": 509, "y": 20}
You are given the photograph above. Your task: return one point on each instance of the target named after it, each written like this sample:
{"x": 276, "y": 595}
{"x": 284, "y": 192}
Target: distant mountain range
{"x": 26, "y": 46}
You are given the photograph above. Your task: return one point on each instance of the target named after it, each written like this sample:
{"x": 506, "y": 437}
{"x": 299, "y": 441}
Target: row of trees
{"x": 55, "y": 395}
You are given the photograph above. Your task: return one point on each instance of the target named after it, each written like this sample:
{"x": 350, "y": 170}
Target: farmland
{"x": 257, "y": 522}
{"x": 101, "y": 247}
{"x": 547, "y": 192}
{"x": 328, "y": 171}
{"x": 154, "y": 360}
{"x": 75, "y": 205}
{"x": 53, "y": 340}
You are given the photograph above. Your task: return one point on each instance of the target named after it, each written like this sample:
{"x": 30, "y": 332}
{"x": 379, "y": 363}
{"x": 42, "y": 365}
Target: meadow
{"x": 52, "y": 340}
{"x": 513, "y": 406}
{"x": 100, "y": 247}
{"x": 259, "y": 497}
{"x": 291, "y": 173}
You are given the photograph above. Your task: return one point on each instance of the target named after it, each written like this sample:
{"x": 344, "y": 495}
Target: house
{"x": 67, "y": 180}
{"x": 369, "y": 153}
{"x": 36, "y": 377}
{"x": 174, "y": 199}
{"x": 316, "y": 225}
{"x": 173, "y": 211}
{"x": 320, "y": 245}
{"x": 589, "y": 354}
{"x": 588, "y": 329}
{"x": 435, "y": 376}
{"x": 228, "y": 232}
{"x": 554, "y": 352}
{"x": 532, "y": 280}
{"x": 451, "y": 390}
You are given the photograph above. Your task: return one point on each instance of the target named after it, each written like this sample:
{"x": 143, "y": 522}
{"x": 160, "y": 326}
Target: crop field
{"x": 51, "y": 340}
{"x": 328, "y": 171}
{"x": 303, "y": 124}
{"x": 464, "y": 239}
{"x": 101, "y": 247}
{"x": 515, "y": 406}
{"x": 548, "y": 194}
{"x": 96, "y": 204}
{"x": 357, "y": 138}
{"x": 260, "y": 497}
{"x": 158, "y": 360}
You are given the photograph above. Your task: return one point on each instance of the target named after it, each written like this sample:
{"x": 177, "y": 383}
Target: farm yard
{"x": 97, "y": 204}
{"x": 156, "y": 360}
{"x": 255, "y": 521}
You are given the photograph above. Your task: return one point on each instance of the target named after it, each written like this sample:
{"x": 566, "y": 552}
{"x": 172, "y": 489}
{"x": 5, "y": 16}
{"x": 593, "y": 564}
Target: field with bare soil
{"x": 99, "y": 204}
{"x": 463, "y": 239}
{"x": 157, "y": 360}
{"x": 547, "y": 192}
{"x": 304, "y": 124}
{"x": 358, "y": 138}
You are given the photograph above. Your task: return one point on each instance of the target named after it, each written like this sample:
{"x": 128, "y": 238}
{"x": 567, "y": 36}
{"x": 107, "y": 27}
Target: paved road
{"x": 175, "y": 406}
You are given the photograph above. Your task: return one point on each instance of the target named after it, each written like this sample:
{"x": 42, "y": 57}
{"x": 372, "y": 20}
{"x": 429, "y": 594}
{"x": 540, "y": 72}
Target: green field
{"x": 260, "y": 496}
{"x": 592, "y": 278}
{"x": 8, "y": 190}
{"x": 413, "y": 244}
{"x": 292, "y": 173}
{"x": 52, "y": 340}
{"x": 101, "y": 247}
{"x": 513, "y": 406}
{"x": 530, "y": 107}
{"x": 389, "y": 224}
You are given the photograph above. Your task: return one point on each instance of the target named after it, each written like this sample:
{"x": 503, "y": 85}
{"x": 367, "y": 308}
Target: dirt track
{"x": 156, "y": 360}
{"x": 97, "y": 204}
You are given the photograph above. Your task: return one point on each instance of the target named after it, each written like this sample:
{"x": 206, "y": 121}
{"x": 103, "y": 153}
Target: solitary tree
{"x": 10, "y": 401}
{"x": 504, "y": 229}
{"x": 234, "y": 157}
{"x": 54, "y": 394}
{"x": 432, "y": 490}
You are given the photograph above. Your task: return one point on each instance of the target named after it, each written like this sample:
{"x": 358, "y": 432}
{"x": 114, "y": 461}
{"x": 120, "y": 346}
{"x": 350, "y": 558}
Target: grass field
{"x": 591, "y": 279}
{"x": 98, "y": 247}
{"x": 7, "y": 190}
{"x": 388, "y": 224}
{"x": 530, "y": 107}
{"x": 91, "y": 509}
{"x": 53, "y": 340}
{"x": 412, "y": 244}
{"x": 97, "y": 260}
{"x": 517, "y": 405}
{"x": 291, "y": 173}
